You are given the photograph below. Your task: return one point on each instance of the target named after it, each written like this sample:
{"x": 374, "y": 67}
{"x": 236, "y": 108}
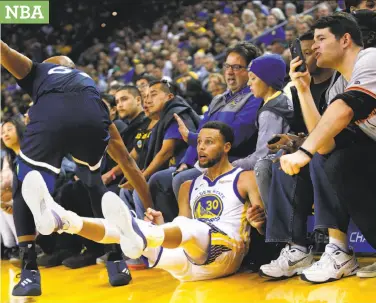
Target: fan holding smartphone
{"x": 296, "y": 51}
{"x": 299, "y": 73}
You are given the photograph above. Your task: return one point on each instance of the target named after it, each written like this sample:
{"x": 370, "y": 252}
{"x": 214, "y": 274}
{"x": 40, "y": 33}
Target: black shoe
{"x": 83, "y": 259}
{"x": 54, "y": 259}
{"x": 29, "y": 284}
{"x": 117, "y": 270}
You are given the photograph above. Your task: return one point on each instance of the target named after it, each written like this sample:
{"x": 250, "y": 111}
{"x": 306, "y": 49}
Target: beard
{"x": 211, "y": 162}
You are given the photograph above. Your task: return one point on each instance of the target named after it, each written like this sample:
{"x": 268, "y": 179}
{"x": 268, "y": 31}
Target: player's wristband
{"x": 305, "y": 151}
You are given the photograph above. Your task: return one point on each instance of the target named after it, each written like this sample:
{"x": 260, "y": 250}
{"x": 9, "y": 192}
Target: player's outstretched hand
{"x": 256, "y": 217}
{"x": 152, "y": 215}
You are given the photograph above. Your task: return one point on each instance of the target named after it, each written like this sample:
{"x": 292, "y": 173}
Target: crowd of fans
{"x": 185, "y": 47}
{"x": 200, "y": 54}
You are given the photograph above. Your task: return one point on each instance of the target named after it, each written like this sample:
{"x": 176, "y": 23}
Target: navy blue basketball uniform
{"x": 68, "y": 117}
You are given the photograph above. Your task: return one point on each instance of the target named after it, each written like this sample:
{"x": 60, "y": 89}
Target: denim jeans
{"x": 263, "y": 172}
{"x": 289, "y": 203}
{"x": 160, "y": 185}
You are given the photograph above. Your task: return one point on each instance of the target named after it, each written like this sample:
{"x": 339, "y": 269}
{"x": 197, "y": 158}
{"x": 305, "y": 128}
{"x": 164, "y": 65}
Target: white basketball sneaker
{"x": 292, "y": 261}
{"x": 132, "y": 240}
{"x": 48, "y": 215}
{"x": 135, "y": 235}
{"x": 333, "y": 265}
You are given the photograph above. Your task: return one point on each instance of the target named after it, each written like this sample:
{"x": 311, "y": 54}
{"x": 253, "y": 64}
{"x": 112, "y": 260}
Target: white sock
{"x": 300, "y": 247}
{"x": 73, "y": 223}
{"x": 111, "y": 234}
{"x": 339, "y": 243}
{"x": 154, "y": 234}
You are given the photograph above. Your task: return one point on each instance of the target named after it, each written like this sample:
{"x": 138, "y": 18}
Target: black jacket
{"x": 140, "y": 122}
{"x": 175, "y": 106}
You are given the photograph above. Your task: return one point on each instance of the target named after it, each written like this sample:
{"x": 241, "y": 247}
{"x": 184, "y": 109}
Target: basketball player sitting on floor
{"x": 207, "y": 240}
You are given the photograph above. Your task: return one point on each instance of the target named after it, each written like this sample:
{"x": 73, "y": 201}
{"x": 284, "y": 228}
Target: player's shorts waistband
{"x": 50, "y": 167}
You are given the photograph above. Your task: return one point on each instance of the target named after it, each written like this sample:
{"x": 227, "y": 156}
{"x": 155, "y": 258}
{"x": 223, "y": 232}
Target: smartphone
{"x": 274, "y": 140}
{"x": 296, "y": 51}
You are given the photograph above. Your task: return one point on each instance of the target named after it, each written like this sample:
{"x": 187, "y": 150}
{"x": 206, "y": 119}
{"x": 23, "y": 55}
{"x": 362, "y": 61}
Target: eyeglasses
{"x": 234, "y": 67}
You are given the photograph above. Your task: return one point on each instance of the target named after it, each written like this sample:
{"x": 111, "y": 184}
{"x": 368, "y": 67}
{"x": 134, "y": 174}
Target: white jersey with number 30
{"x": 219, "y": 204}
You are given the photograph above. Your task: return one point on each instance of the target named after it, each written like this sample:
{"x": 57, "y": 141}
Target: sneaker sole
{"x": 316, "y": 281}
{"x": 284, "y": 277}
{"x": 264, "y": 275}
{"x": 34, "y": 191}
{"x": 132, "y": 241}
{"x": 366, "y": 274}
{"x": 34, "y": 292}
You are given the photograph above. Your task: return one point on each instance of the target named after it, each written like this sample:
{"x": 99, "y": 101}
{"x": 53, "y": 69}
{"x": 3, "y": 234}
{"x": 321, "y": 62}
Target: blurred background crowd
{"x": 184, "y": 41}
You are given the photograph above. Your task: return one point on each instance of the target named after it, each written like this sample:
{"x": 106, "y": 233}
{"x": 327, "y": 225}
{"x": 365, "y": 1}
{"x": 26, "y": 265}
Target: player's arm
{"x": 166, "y": 152}
{"x": 116, "y": 170}
{"x": 119, "y": 153}
{"x": 183, "y": 200}
{"x": 134, "y": 154}
{"x": 247, "y": 188}
{"x": 17, "y": 64}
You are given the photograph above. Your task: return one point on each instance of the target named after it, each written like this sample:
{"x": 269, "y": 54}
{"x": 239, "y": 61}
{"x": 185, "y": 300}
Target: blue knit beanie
{"x": 271, "y": 69}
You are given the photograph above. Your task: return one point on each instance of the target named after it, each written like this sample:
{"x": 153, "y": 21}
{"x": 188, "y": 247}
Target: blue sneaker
{"x": 132, "y": 240}
{"x": 29, "y": 284}
{"x": 118, "y": 272}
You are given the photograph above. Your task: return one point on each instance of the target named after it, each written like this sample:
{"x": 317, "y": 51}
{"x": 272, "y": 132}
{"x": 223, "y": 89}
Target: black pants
{"x": 352, "y": 173}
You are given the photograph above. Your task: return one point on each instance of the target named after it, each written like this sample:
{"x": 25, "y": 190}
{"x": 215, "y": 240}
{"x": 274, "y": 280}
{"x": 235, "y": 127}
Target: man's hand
{"x": 287, "y": 144}
{"x": 126, "y": 185}
{"x": 256, "y": 217}
{"x": 108, "y": 177}
{"x": 154, "y": 216}
{"x": 183, "y": 130}
{"x": 301, "y": 81}
{"x": 291, "y": 164}
{"x": 181, "y": 168}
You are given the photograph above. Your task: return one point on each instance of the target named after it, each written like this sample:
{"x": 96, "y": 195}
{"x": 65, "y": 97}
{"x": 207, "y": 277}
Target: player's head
{"x": 61, "y": 60}
{"x": 334, "y": 36}
{"x": 160, "y": 92}
{"x": 214, "y": 143}
{"x": 128, "y": 102}
{"x": 12, "y": 131}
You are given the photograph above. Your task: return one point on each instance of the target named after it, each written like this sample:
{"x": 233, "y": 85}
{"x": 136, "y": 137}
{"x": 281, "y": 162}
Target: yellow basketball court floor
{"x": 90, "y": 284}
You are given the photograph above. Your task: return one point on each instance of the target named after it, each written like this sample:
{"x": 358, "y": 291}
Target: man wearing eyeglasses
{"x": 236, "y": 107}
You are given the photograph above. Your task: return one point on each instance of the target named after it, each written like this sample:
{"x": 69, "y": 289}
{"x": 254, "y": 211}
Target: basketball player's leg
{"x": 41, "y": 149}
{"x": 50, "y": 216}
{"x": 136, "y": 235}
